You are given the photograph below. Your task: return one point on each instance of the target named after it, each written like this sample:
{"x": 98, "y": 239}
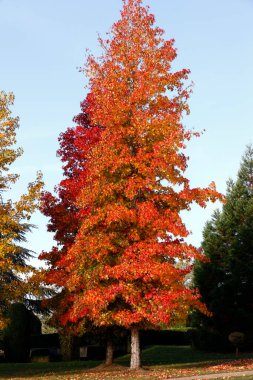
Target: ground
{"x": 159, "y": 362}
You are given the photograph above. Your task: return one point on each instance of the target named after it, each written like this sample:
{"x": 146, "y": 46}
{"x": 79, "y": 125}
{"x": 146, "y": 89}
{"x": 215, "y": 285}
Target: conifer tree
{"x": 14, "y": 216}
{"x": 225, "y": 280}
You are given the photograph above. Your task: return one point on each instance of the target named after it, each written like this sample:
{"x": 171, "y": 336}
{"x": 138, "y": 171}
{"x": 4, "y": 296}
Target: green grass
{"x": 30, "y": 370}
{"x": 181, "y": 355}
{"x": 160, "y": 362}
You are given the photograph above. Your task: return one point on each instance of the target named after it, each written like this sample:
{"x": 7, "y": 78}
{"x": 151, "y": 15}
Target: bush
{"x": 40, "y": 355}
{"x": 45, "y": 341}
{"x": 16, "y": 337}
{"x": 49, "y": 342}
{"x": 208, "y": 340}
{"x": 164, "y": 337}
{"x": 96, "y": 352}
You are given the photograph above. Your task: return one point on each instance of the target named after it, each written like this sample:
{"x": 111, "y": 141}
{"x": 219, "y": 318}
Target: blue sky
{"x": 43, "y": 44}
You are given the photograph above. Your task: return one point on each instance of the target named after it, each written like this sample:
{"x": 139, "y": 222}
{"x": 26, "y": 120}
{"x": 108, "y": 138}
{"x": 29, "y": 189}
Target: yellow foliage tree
{"x": 14, "y": 216}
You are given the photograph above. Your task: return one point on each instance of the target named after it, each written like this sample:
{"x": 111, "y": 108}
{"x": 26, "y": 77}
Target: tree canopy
{"x": 225, "y": 280}
{"x": 14, "y": 216}
{"x": 122, "y": 268}
{"x": 62, "y": 209}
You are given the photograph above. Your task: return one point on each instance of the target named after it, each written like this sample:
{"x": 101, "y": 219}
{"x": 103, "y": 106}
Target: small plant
{"x": 237, "y": 339}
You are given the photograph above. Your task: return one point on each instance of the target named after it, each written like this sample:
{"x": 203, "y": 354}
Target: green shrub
{"x": 177, "y": 337}
{"x": 16, "y": 337}
{"x": 209, "y": 340}
{"x": 45, "y": 340}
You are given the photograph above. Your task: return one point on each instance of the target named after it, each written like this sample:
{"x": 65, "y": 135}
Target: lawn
{"x": 159, "y": 362}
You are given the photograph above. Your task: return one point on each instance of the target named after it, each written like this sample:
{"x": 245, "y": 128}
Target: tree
{"x": 64, "y": 213}
{"x": 62, "y": 208}
{"x": 225, "y": 280}
{"x": 14, "y": 216}
{"x": 122, "y": 269}
{"x": 16, "y": 337}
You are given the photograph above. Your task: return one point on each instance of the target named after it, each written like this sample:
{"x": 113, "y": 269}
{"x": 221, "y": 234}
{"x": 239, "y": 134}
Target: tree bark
{"x": 135, "y": 350}
{"x": 109, "y": 353}
{"x": 67, "y": 343}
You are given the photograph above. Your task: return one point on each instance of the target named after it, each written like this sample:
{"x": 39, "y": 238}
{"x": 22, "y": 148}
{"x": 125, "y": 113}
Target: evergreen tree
{"x": 16, "y": 337}
{"x": 225, "y": 280}
{"x": 14, "y": 216}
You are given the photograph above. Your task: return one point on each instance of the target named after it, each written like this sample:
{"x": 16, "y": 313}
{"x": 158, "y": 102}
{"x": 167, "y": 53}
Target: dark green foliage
{"x": 209, "y": 340}
{"x": 19, "y": 256}
{"x": 164, "y": 337}
{"x": 22, "y": 324}
{"x": 48, "y": 343}
{"x": 96, "y": 352}
{"x": 45, "y": 340}
{"x": 225, "y": 282}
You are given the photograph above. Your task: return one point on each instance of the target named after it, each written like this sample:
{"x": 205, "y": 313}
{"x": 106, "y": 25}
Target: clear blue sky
{"x": 43, "y": 43}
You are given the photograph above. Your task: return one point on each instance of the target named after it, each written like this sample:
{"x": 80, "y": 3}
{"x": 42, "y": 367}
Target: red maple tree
{"x": 62, "y": 209}
{"x": 128, "y": 263}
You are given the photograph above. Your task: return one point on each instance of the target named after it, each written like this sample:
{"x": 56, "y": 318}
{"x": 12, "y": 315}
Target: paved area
{"x": 216, "y": 375}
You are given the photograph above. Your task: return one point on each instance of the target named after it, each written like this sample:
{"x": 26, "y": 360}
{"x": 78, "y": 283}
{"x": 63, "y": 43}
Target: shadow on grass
{"x": 30, "y": 370}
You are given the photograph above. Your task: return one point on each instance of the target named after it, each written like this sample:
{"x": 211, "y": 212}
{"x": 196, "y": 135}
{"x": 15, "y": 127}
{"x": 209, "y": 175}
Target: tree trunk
{"x": 135, "y": 349}
{"x": 109, "y": 353}
{"x": 67, "y": 343}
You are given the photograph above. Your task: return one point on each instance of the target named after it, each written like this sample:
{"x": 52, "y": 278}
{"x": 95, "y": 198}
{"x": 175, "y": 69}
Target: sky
{"x": 43, "y": 46}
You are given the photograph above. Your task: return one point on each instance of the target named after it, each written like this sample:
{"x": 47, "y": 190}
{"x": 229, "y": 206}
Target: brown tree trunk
{"x": 135, "y": 350}
{"x": 67, "y": 342}
{"x": 109, "y": 353}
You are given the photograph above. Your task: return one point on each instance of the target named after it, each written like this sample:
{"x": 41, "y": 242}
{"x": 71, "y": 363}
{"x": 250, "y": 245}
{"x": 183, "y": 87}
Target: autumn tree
{"x": 64, "y": 221}
{"x": 14, "y": 216}
{"x": 122, "y": 269}
{"x": 63, "y": 212}
{"x": 225, "y": 280}
{"x": 61, "y": 207}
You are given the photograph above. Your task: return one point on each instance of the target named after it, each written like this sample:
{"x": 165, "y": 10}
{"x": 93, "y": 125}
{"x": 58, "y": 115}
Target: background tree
{"x": 16, "y": 337}
{"x": 65, "y": 215}
{"x": 122, "y": 267}
{"x": 14, "y": 216}
{"x": 225, "y": 280}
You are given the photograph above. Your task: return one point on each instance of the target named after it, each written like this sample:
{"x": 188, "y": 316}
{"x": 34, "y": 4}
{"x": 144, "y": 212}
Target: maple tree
{"x": 122, "y": 268}
{"x": 64, "y": 213}
{"x": 62, "y": 208}
{"x": 225, "y": 280}
{"x": 14, "y": 216}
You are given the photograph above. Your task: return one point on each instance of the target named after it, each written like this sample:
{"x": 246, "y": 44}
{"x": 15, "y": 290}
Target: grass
{"x": 178, "y": 355}
{"x": 159, "y": 362}
{"x": 44, "y": 370}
